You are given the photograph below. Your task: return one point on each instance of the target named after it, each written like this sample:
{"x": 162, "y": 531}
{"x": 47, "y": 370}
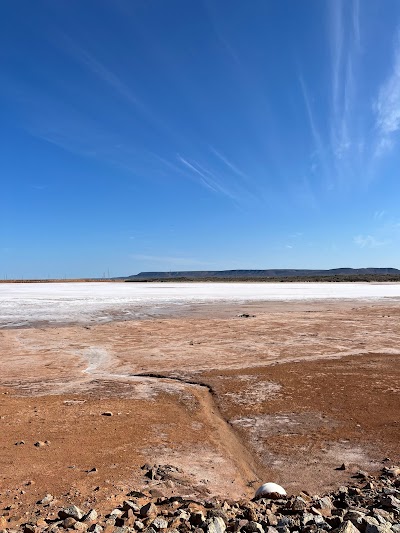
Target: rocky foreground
{"x": 370, "y": 505}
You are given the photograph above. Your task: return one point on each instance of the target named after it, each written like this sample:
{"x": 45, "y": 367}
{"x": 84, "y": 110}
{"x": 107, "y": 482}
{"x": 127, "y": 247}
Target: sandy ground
{"x": 287, "y": 395}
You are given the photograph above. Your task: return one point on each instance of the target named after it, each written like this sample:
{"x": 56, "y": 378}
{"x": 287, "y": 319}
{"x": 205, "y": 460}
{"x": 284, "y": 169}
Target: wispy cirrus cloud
{"x": 319, "y": 143}
{"x": 346, "y": 141}
{"x": 215, "y": 181}
{"x": 369, "y": 241}
{"x": 379, "y": 214}
{"x": 387, "y": 106}
{"x": 229, "y": 164}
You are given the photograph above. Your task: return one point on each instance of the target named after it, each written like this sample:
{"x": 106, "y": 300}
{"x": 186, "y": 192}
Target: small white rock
{"x": 269, "y": 488}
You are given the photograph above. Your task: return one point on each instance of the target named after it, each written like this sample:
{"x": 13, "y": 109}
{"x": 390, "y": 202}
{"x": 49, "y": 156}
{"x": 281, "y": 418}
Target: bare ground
{"x": 285, "y": 396}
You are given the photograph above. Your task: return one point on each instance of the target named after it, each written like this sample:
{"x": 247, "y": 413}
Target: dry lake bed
{"x": 308, "y": 381}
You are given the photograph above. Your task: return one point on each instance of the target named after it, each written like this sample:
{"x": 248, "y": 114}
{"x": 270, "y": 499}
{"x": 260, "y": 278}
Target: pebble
{"x": 160, "y": 523}
{"x": 372, "y": 507}
{"x": 71, "y": 512}
{"x": 47, "y": 499}
{"x": 148, "y": 510}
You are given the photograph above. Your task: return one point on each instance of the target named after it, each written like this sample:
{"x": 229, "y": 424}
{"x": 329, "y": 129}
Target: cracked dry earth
{"x": 287, "y": 396}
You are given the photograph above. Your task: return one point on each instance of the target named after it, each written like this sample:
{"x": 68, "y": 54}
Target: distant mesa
{"x": 335, "y": 274}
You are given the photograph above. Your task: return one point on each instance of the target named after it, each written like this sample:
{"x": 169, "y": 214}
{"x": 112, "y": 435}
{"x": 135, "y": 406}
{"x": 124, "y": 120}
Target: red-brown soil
{"x": 285, "y": 396}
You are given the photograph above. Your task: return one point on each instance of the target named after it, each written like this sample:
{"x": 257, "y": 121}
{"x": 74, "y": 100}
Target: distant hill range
{"x": 334, "y": 274}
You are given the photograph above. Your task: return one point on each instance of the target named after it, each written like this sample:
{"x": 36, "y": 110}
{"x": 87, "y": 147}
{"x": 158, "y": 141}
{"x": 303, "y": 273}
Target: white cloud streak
{"x": 387, "y": 106}
{"x": 317, "y": 137}
{"x": 208, "y": 179}
{"x": 368, "y": 241}
{"x": 228, "y": 163}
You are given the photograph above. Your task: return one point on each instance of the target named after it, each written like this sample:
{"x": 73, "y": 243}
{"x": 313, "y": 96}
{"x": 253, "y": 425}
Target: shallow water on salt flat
{"x": 22, "y": 304}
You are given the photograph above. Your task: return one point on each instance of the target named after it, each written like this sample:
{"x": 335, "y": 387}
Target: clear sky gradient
{"x": 175, "y": 134}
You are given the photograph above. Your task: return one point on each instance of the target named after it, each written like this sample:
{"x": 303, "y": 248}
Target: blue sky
{"x": 169, "y": 135}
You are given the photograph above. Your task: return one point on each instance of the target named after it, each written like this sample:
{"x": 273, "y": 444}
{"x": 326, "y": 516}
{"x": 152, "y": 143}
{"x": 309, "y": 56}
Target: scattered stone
{"x": 394, "y": 471}
{"x": 129, "y": 504}
{"x": 46, "y": 500}
{"x": 364, "y": 507}
{"x": 148, "y": 510}
{"x": 71, "y": 512}
{"x": 40, "y": 444}
{"x": 107, "y": 413}
{"x": 343, "y": 466}
{"x": 159, "y": 523}
{"x": 299, "y": 504}
{"x": 116, "y": 512}
{"x": 136, "y": 494}
{"x": 91, "y": 516}
{"x": 20, "y": 443}
{"x": 347, "y": 527}
{"x": 69, "y": 522}
{"x": 216, "y": 525}
{"x": 80, "y": 526}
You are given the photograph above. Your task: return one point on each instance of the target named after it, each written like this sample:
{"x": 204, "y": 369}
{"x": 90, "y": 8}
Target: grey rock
{"x": 325, "y": 503}
{"x": 320, "y": 522}
{"x": 383, "y": 514}
{"x": 116, "y": 512}
{"x": 91, "y": 516}
{"x": 216, "y": 525}
{"x": 271, "y": 519}
{"x": 370, "y": 520}
{"x": 80, "y": 526}
{"x": 71, "y": 512}
{"x": 347, "y": 527}
{"x": 252, "y": 527}
{"x": 47, "y": 499}
{"x": 182, "y": 514}
{"x": 307, "y": 518}
{"x": 148, "y": 510}
{"x": 355, "y": 517}
{"x": 129, "y": 504}
{"x": 372, "y": 528}
{"x": 390, "y": 501}
{"x": 396, "y": 528}
{"x": 299, "y": 504}
{"x": 96, "y": 528}
{"x": 159, "y": 523}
